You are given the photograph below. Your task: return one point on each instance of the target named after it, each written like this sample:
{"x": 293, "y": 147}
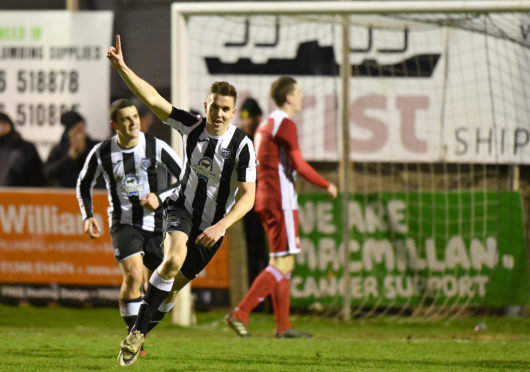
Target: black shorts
{"x": 177, "y": 218}
{"x": 128, "y": 240}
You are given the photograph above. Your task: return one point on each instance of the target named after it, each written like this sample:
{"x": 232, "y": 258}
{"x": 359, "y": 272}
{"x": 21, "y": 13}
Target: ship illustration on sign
{"x": 313, "y": 59}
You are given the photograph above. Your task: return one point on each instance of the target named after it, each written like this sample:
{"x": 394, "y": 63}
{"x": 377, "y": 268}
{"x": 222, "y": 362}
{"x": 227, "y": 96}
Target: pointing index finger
{"x": 118, "y": 43}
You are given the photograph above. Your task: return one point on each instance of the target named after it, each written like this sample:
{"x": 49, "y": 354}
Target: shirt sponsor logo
{"x": 204, "y": 168}
{"x": 132, "y": 185}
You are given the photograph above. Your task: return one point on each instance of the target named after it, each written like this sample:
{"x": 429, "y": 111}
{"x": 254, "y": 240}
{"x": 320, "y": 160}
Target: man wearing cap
{"x": 66, "y": 159}
{"x": 257, "y": 253}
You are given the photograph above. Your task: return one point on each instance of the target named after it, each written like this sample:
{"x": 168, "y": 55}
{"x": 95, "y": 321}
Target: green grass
{"x": 65, "y": 339}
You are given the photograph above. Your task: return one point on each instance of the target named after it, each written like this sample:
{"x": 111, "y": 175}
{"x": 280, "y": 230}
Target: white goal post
{"x": 182, "y": 82}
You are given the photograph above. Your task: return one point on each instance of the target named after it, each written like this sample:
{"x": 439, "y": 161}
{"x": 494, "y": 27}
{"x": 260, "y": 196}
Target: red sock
{"x": 281, "y": 302}
{"x": 262, "y": 286}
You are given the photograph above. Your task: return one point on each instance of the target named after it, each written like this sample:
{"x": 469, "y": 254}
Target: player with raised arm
{"x": 218, "y": 188}
{"x": 136, "y": 168}
{"x": 280, "y": 159}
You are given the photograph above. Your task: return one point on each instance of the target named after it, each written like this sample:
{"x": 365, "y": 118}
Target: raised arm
{"x": 141, "y": 88}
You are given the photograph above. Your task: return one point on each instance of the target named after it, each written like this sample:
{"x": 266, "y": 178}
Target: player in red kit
{"x": 279, "y": 159}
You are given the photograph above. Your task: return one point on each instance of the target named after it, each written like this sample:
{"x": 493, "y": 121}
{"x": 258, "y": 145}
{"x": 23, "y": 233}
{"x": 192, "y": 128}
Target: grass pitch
{"x": 66, "y": 339}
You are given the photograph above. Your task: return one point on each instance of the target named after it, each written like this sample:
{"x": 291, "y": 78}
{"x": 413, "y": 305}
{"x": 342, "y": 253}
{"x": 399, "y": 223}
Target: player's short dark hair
{"x": 280, "y": 88}
{"x": 5, "y": 118}
{"x": 118, "y": 105}
{"x": 223, "y": 88}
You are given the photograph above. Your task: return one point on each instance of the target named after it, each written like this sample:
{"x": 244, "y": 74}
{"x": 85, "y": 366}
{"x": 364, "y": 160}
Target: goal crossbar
{"x": 353, "y": 7}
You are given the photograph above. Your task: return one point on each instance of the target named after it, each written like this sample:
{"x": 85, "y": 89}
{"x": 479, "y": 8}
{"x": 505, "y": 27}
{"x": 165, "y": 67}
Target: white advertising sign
{"x": 51, "y": 62}
{"x": 419, "y": 92}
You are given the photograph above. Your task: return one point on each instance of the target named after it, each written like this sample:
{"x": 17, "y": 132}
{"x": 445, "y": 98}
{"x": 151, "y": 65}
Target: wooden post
{"x": 346, "y": 165}
{"x": 237, "y": 262}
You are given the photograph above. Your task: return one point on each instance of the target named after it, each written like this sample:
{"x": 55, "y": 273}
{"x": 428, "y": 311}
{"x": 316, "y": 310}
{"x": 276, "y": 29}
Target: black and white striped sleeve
{"x": 86, "y": 181}
{"x": 183, "y": 121}
{"x": 246, "y": 163}
{"x": 174, "y": 165}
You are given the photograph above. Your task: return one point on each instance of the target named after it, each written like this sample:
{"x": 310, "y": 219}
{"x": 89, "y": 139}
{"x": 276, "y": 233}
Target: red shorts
{"x": 281, "y": 227}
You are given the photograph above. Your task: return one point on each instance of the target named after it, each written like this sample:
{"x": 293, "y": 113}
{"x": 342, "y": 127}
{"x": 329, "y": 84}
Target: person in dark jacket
{"x": 257, "y": 251}
{"x": 66, "y": 159}
{"x": 20, "y": 164}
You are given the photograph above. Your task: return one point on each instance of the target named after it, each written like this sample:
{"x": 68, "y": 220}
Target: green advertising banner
{"x": 447, "y": 248}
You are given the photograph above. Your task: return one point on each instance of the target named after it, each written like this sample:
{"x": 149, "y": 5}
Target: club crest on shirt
{"x": 146, "y": 163}
{"x": 225, "y": 153}
{"x": 204, "y": 168}
{"x": 132, "y": 185}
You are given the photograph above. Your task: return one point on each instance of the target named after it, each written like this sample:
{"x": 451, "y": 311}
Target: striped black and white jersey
{"x": 130, "y": 174}
{"x": 214, "y": 166}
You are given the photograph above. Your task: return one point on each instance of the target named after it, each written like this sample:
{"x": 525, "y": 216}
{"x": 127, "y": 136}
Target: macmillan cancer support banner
{"x": 406, "y": 250}
{"x": 51, "y": 62}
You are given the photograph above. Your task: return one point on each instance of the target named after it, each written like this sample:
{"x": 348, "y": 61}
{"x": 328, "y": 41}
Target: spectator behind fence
{"x": 66, "y": 159}
{"x": 257, "y": 254}
{"x": 20, "y": 164}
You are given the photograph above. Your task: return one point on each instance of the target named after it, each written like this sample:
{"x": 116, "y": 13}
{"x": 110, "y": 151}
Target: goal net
{"x": 435, "y": 105}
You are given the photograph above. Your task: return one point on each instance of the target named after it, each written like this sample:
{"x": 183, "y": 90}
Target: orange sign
{"x": 215, "y": 274}
{"x": 42, "y": 241}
